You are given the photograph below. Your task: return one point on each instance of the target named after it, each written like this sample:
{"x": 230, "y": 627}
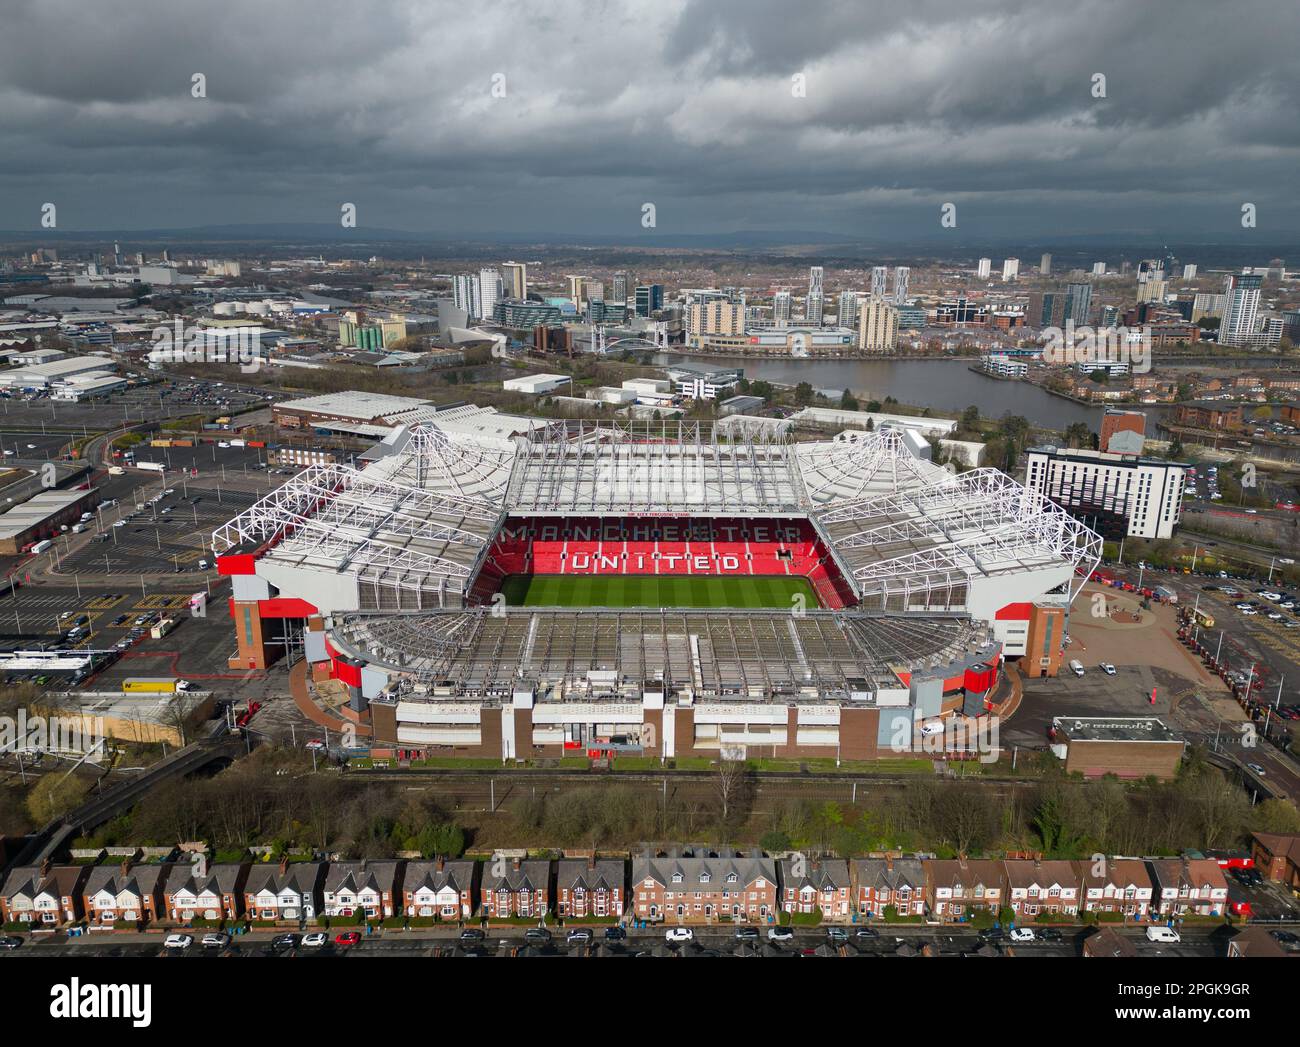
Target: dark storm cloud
{"x": 685, "y": 103}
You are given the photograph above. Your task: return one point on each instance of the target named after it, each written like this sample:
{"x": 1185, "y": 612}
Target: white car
{"x": 31, "y": 447}
{"x": 178, "y": 941}
{"x": 1109, "y": 670}
{"x": 779, "y": 934}
{"x": 216, "y": 939}
{"x": 679, "y": 934}
{"x": 1163, "y": 934}
{"x": 1022, "y": 934}
{"x": 1249, "y": 611}
{"x": 315, "y": 940}
{"x": 120, "y": 523}
{"x": 1257, "y": 769}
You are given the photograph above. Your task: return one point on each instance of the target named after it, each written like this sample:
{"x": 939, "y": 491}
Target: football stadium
{"x": 665, "y": 590}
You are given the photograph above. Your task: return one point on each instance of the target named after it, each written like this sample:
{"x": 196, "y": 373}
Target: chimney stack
{"x": 45, "y": 867}
{"x": 441, "y": 863}
{"x": 125, "y": 866}
{"x": 284, "y": 865}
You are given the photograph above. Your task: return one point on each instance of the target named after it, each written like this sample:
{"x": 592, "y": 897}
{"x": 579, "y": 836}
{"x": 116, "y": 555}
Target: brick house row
{"x": 106, "y": 896}
{"x": 680, "y": 887}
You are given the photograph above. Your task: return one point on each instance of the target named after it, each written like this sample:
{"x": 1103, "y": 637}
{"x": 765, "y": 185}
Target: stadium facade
{"x": 907, "y": 586}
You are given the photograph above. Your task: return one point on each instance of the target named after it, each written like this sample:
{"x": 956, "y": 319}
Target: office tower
{"x": 619, "y": 293}
{"x": 879, "y": 279}
{"x": 985, "y": 268}
{"x": 847, "y": 313}
{"x": 1045, "y": 265}
{"x": 649, "y": 299}
{"x": 1010, "y": 269}
{"x": 877, "y": 326}
{"x": 901, "y": 274}
{"x": 1189, "y": 272}
{"x": 516, "y": 280}
{"x": 1098, "y": 268}
{"x": 1241, "y": 309}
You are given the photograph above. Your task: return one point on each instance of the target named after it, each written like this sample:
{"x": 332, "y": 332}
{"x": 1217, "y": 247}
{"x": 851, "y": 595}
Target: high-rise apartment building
{"x": 515, "y": 279}
{"x": 781, "y": 308}
{"x": 985, "y": 268}
{"x": 879, "y": 281}
{"x": 901, "y": 275}
{"x": 1010, "y": 269}
{"x": 1045, "y": 265}
{"x": 846, "y": 315}
{"x": 877, "y": 326}
{"x": 1241, "y": 309}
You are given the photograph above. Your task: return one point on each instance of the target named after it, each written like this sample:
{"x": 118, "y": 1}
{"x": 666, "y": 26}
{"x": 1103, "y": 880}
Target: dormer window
{"x": 677, "y": 877}
{"x": 704, "y": 877}
{"x": 731, "y": 877}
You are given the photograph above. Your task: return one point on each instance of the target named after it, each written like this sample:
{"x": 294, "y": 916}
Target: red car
{"x": 347, "y": 938}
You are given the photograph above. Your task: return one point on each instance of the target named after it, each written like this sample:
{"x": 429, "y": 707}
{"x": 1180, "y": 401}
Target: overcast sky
{"x": 686, "y": 104}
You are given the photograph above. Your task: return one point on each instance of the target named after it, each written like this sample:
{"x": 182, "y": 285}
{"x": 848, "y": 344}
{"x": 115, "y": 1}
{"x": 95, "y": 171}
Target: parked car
{"x": 315, "y": 940}
{"x": 178, "y": 941}
{"x": 837, "y": 934}
{"x": 10, "y": 941}
{"x": 1049, "y": 934}
{"x": 866, "y": 932}
{"x": 615, "y": 934}
{"x": 579, "y": 936}
{"x": 216, "y": 940}
{"x": 284, "y": 941}
{"x": 746, "y": 934}
{"x": 537, "y": 935}
{"x": 679, "y": 934}
{"x": 1022, "y": 934}
{"x": 472, "y": 934}
{"x": 779, "y": 934}
{"x": 1107, "y": 668}
{"x": 347, "y": 938}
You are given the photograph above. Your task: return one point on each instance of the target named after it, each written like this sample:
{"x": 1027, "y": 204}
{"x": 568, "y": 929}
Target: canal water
{"x": 948, "y": 386}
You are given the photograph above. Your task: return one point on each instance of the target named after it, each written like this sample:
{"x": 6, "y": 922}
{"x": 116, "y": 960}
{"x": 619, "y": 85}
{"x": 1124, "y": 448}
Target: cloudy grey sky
{"x": 684, "y": 103}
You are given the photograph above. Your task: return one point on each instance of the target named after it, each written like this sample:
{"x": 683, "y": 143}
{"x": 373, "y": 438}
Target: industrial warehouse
{"x": 664, "y": 590}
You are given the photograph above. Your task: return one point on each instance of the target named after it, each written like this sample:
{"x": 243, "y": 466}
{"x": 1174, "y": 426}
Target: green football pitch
{"x": 655, "y": 590}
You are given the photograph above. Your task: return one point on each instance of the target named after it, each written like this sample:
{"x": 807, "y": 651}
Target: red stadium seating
{"x": 726, "y": 546}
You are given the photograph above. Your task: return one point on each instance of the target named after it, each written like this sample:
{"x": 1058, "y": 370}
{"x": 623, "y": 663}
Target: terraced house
{"x": 957, "y": 888}
{"x": 515, "y": 887}
{"x": 590, "y": 887}
{"x": 1184, "y": 885}
{"x": 689, "y": 889}
{"x": 1121, "y": 885}
{"x": 365, "y": 888}
{"x": 884, "y": 882}
{"x": 1040, "y": 887}
{"x": 43, "y": 896}
{"x": 284, "y": 893}
{"x": 123, "y": 894}
{"x": 214, "y": 894}
{"x": 817, "y": 884}
{"x": 439, "y": 889}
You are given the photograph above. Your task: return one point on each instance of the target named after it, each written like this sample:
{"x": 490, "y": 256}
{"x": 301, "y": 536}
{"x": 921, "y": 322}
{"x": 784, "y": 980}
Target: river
{"x": 948, "y": 386}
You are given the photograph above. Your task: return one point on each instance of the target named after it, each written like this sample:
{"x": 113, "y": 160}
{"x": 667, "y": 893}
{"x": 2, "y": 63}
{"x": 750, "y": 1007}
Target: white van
{"x": 1076, "y": 666}
{"x": 1163, "y": 934}
{"x": 931, "y": 728}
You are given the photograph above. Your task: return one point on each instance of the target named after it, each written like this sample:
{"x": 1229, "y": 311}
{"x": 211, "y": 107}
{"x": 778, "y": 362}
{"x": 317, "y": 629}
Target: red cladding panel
{"x": 1015, "y": 612}
{"x": 237, "y": 563}
{"x": 286, "y": 607}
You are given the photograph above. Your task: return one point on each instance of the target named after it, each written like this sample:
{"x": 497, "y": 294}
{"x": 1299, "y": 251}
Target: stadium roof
{"x": 420, "y": 517}
{"x": 726, "y": 653}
